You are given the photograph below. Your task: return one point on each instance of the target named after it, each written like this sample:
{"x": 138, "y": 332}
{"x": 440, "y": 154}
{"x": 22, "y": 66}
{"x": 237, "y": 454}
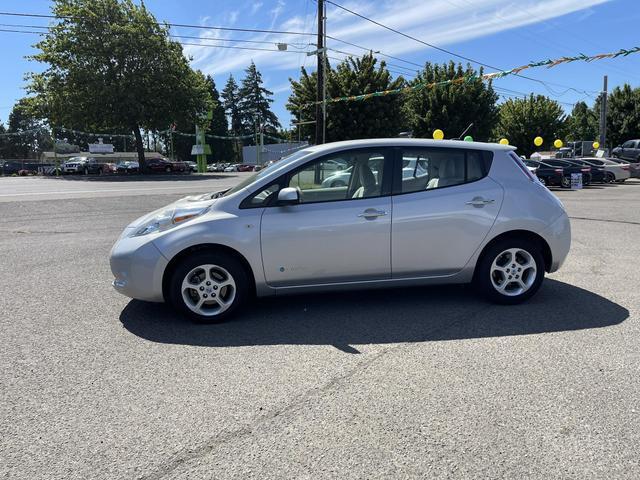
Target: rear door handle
{"x": 479, "y": 202}
{"x": 372, "y": 213}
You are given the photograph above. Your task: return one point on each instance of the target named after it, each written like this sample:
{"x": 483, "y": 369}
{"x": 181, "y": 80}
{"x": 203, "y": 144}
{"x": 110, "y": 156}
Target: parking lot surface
{"x": 420, "y": 382}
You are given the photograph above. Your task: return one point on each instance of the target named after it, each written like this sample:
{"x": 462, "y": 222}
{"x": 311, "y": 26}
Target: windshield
{"x": 266, "y": 171}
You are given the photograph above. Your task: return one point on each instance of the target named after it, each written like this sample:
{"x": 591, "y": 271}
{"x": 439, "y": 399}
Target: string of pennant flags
{"x": 549, "y": 63}
{"x": 44, "y": 130}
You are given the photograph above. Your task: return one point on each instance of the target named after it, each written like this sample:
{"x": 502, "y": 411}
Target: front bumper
{"x": 138, "y": 267}
{"x": 558, "y": 236}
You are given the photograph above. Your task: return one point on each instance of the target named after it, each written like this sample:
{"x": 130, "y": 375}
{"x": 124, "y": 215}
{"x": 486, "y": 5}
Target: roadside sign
{"x": 576, "y": 181}
{"x": 100, "y": 148}
{"x": 201, "y": 150}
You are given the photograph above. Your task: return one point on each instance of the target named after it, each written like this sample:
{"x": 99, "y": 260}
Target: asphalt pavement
{"x": 412, "y": 383}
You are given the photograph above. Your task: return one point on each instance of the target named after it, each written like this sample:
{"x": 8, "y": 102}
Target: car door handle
{"x": 372, "y": 213}
{"x": 479, "y": 202}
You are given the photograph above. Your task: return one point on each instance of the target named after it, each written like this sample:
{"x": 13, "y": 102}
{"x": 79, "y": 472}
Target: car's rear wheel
{"x": 208, "y": 287}
{"x": 609, "y": 177}
{"x": 566, "y": 182}
{"x": 510, "y": 271}
{"x": 168, "y": 169}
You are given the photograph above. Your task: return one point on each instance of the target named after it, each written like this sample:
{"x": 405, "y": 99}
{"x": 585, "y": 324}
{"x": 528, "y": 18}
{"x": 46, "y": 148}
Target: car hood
{"x": 190, "y": 201}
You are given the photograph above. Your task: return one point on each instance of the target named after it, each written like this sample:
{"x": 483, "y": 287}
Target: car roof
{"x": 406, "y": 142}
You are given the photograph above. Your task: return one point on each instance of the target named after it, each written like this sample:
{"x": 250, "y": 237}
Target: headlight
{"x": 169, "y": 218}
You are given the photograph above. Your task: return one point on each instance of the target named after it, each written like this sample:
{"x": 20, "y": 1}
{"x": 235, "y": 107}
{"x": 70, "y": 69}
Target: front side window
{"x": 628, "y": 144}
{"x": 341, "y": 176}
{"x": 431, "y": 168}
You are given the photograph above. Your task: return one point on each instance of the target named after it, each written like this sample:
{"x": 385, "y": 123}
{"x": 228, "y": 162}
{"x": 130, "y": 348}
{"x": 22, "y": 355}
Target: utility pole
{"x": 320, "y": 110}
{"x": 603, "y": 115}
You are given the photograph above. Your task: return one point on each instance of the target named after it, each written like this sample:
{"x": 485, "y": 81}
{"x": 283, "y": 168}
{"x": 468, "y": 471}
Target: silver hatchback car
{"x": 469, "y": 212}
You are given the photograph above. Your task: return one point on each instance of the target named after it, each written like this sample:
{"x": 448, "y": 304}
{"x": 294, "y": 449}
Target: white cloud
{"x": 440, "y": 22}
{"x": 256, "y": 6}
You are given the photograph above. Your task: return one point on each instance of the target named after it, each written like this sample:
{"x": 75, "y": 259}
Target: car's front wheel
{"x": 208, "y": 287}
{"x": 510, "y": 271}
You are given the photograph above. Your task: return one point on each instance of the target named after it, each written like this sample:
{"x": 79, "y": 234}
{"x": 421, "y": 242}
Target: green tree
{"x": 381, "y": 116}
{"x": 623, "y": 114}
{"x": 523, "y": 119}
{"x": 222, "y": 150}
{"x": 231, "y": 103}
{"x": 111, "y": 66}
{"x": 452, "y": 108}
{"x": 33, "y": 138}
{"x": 300, "y": 103}
{"x": 375, "y": 117}
{"x": 582, "y": 124}
{"x": 255, "y": 104}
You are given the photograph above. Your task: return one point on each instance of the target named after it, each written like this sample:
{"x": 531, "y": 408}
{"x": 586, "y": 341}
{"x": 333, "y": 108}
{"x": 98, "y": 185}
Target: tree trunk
{"x": 142, "y": 164}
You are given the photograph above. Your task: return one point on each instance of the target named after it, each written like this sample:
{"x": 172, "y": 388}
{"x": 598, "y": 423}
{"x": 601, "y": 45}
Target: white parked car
{"x": 614, "y": 171}
{"x": 472, "y": 213}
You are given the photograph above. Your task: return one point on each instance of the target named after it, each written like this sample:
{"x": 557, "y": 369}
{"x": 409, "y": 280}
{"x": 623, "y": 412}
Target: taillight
{"x": 624, "y": 167}
{"x": 588, "y": 169}
{"x": 558, "y": 170}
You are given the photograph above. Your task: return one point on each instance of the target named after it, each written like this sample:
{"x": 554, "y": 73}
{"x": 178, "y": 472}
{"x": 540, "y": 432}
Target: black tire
{"x": 609, "y": 177}
{"x": 484, "y": 282}
{"x": 228, "y": 263}
{"x": 168, "y": 169}
{"x": 542, "y": 181}
{"x": 566, "y": 182}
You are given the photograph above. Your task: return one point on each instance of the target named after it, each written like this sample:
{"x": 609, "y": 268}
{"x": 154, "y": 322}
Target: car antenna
{"x": 464, "y": 132}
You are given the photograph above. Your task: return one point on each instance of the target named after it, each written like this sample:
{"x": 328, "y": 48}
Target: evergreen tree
{"x": 255, "y": 104}
{"x": 452, "y": 108}
{"x": 231, "y": 104}
{"x": 221, "y": 150}
{"x": 582, "y": 124}
{"x": 523, "y": 119}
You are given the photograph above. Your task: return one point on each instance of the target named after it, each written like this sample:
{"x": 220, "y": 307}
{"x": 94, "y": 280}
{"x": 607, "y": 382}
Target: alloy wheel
{"x": 208, "y": 290}
{"x": 513, "y": 272}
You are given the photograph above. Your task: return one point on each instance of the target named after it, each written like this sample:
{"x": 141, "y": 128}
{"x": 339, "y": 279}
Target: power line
{"x": 181, "y": 25}
{"x": 444, "y": 50}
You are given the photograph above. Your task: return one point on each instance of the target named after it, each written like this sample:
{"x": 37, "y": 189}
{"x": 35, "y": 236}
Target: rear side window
{"x": 431, "y": 168}
{"x": 522, "y": 166}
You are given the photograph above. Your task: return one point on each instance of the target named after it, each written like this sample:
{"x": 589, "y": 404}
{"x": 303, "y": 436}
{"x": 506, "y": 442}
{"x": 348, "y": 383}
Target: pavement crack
{"x": 625, "y": 222}
{"x": 187, "y": 454}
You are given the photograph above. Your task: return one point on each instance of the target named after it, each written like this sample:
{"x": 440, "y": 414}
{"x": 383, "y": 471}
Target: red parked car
{"x": 245, "y": 168}
{"x": 165, "y": 165}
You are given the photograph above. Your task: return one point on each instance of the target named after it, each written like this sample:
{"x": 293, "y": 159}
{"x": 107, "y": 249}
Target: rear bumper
{"x": 558, "y": 237}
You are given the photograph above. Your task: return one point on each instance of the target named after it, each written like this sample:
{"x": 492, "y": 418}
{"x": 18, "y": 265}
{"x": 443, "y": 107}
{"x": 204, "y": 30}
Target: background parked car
{"x": 245, "y": 167}
{"x": 570, "y": 168}
{"x": 629, "y": 150}
{"x": 547, "y": 174}
{"x": 231, "y": 168}
{"x": 127, "y": 167}
{"x": 82, "y": 165}
{"x": 634, "y": 167}
{"x": 109, "y": 168}
{"x": 192, "y": 166}
{"x": 165, "y": 165}
{"x": 614, "y": 171}
{"x": 598, "y": 174}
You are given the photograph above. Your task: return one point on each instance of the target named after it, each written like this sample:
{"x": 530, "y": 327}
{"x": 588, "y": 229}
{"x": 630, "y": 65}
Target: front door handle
{"x": 479, "y": 202}
{"x": 372, "y": 213}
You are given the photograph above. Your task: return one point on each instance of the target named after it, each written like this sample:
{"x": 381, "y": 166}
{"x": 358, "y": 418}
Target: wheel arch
{"x": 213, "y": 247}
{"x": 520, "y": 234}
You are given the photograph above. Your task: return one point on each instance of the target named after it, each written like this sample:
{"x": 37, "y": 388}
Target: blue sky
{"x": 502, "y": 33}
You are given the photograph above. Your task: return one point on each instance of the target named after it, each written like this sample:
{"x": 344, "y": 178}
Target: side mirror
{"x": 288, "y": 196}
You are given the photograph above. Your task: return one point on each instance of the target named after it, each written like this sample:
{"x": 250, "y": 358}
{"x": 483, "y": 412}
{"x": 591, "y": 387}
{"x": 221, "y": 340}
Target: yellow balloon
{"x": 504, "y": 141}
{"x": 438, "y": 134}
{"x": 596, "y": 145}
{"x": 538, "y": 141}
{"x": 558, "y": 143}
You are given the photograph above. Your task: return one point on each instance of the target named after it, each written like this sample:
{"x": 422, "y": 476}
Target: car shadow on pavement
{"x": 380, "y": 316}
